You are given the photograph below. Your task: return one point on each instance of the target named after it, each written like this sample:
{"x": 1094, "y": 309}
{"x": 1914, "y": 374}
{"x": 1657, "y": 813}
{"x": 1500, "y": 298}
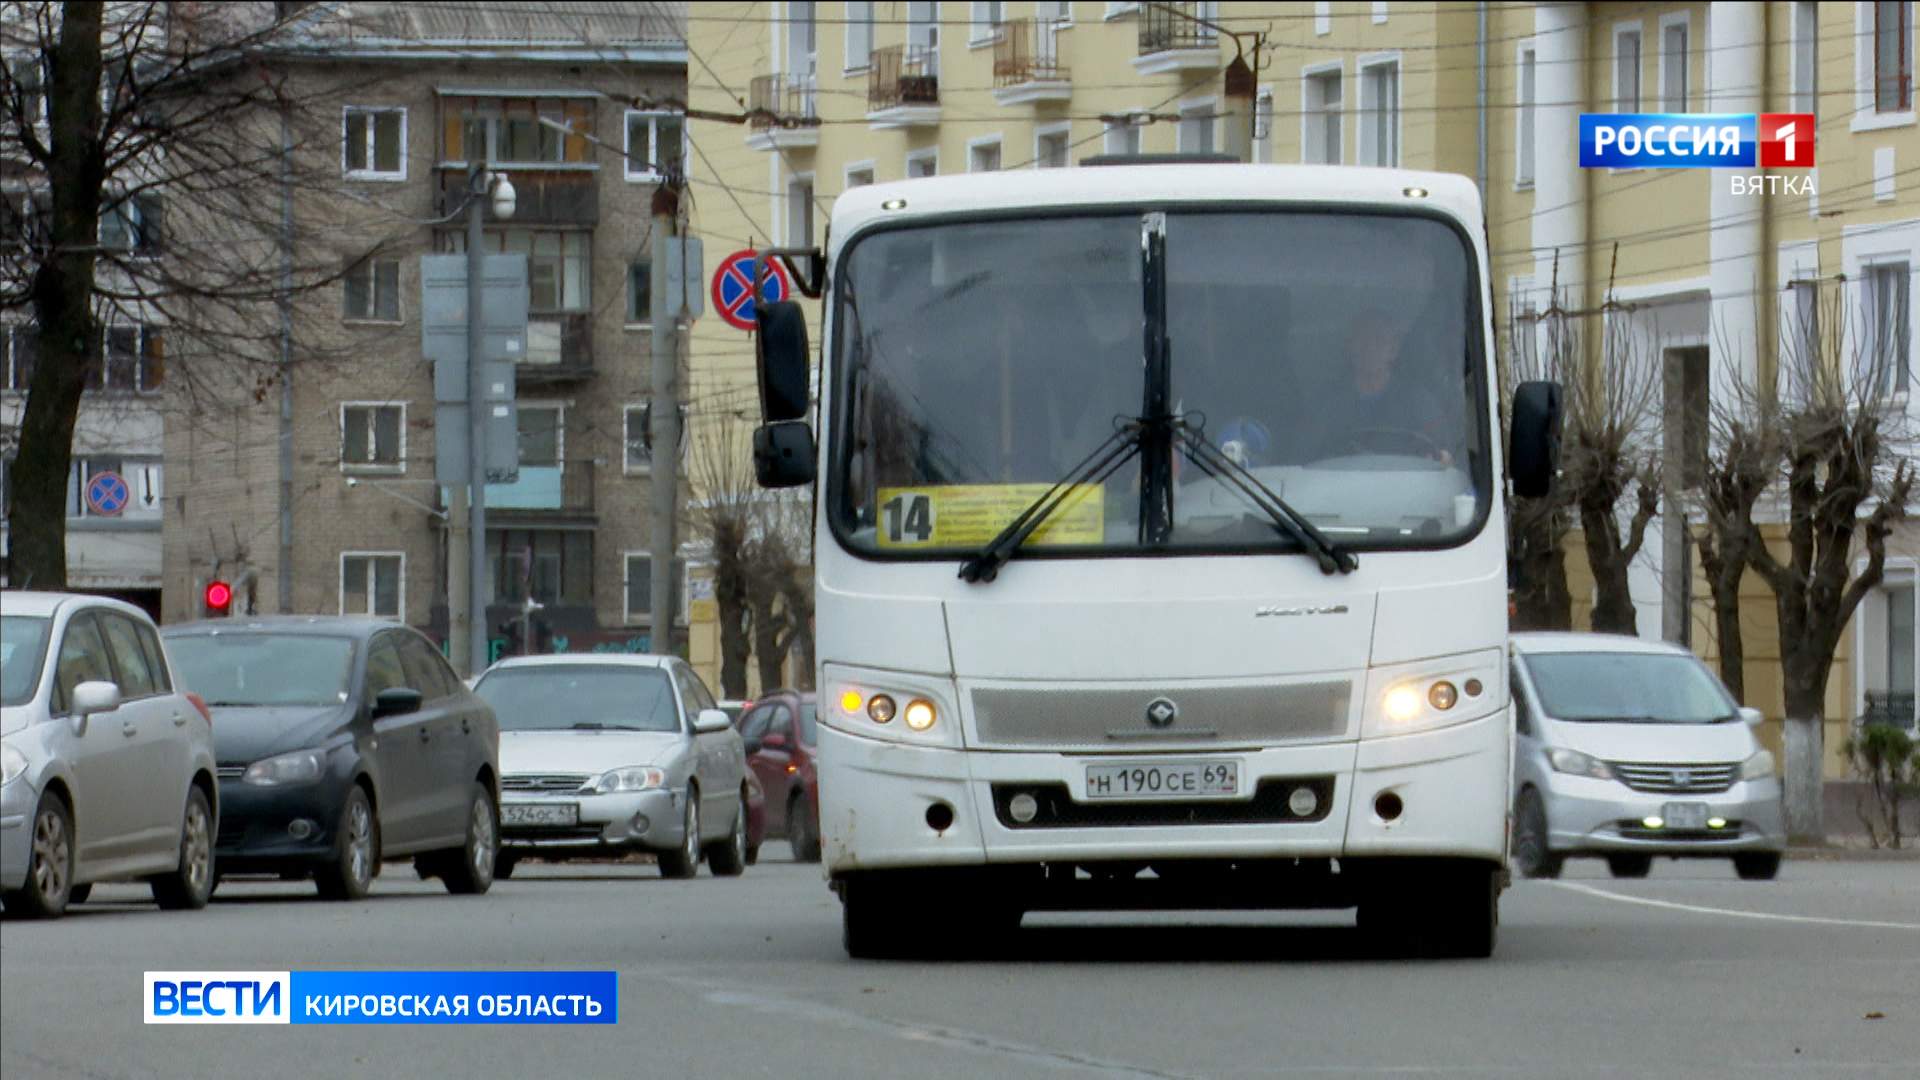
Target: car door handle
{"x": 129, "y": 729}
{"x": 179, "y": 719}
{"x": 466, "y": 725}
{"x": 424, "y": 737}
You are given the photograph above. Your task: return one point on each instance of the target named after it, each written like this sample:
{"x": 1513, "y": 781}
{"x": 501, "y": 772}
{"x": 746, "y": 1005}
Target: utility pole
{"x": 476, "y": 584}
{"x": 1676, "y": 570}
{"x": 664, "y": 414}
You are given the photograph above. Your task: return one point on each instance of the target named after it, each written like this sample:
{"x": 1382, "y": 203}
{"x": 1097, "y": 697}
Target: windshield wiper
{"x": 984, "y": 565}
{"x": 1332, "y": 557}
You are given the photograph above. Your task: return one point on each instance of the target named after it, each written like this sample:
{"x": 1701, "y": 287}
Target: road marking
{"x": 1735, "y": 912}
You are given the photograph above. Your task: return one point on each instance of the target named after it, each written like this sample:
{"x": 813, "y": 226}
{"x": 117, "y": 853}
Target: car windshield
{"x": 1632, "y": 687}
{"x": 1330, "y": 354}
{"x": 23, "y": 645}
{"x": 563, "y": 697}
{"x": 806, "y": 722}
{"x": 255, "y": 669}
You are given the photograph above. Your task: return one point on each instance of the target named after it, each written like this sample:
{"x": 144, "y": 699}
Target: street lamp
{"x": 482, "y": 186}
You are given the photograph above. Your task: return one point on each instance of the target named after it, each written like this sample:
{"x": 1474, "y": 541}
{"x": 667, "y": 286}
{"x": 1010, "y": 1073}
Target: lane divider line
{"x": 1733, "y": 912}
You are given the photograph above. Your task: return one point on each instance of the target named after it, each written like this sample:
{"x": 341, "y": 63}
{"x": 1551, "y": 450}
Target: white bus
{"x": 1160, "y": 551}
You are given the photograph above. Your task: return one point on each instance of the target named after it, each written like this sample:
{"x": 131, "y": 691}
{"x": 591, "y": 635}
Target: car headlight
{"x": 631, "y": 778}
{"x": 1757, "y": 767}
{"x": 1575, "y": 763}
{"x": 12, "y": 763}
{"x": 299, "y": 767}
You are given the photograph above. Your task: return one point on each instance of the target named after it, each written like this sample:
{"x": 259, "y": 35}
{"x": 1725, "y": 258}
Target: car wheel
{"x": 684, "y": 861}
{"x": 1757, "y": 865}
{"x": 1531, "y": 856}
{"x": 190, "y": 885}
{"x": 803, "y": 829}
{"x": 503, "y": 865}
{"x": 470, "y": 870}
{"x": 49, "y": 885}
{"x": 1629, "y": 866}
{"x": 349, "y": 875}
{"x": 728, "y": 858}
{"x": 79, "y": 893}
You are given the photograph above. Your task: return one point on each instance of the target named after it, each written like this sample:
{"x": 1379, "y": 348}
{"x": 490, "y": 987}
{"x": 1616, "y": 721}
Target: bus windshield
{"x": 1332, "y": 355}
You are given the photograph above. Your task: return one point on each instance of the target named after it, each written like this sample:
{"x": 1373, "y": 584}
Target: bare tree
{"x": 1537, "y": 527}
{"x": 725, "y": 518}
{"x": 1743, "y": 460}
{"x": 780, "y": 587}
{"x": 150, "y": 150}
{"x": 1849, "y": 479}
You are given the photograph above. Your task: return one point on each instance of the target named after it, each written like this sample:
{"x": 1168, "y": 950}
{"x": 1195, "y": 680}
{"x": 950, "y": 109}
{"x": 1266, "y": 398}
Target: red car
{"x": 778, "y": 730}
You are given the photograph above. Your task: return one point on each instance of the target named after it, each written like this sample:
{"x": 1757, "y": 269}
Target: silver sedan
{"x": 602, "y": 755}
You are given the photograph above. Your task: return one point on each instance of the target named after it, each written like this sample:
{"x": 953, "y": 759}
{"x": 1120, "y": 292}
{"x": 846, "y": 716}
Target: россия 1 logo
{"x": 1696, "y": 140}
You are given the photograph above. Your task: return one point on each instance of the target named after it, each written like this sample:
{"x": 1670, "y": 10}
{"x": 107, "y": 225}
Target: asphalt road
{"x": 1690, "y": 973}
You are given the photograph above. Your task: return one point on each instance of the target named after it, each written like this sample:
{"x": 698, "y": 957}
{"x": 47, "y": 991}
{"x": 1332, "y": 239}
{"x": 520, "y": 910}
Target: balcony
{"x": 564, "y": 488}
{"x": 559, "y": 350}
{"x": 544, "y": 196}
{"x": 1026, "y": 63}
{"x": 1891, "y": 709}
{"x": 903, "y": 87}
{"x": 1171, "y": 40}
{"x": 783, "y": 112}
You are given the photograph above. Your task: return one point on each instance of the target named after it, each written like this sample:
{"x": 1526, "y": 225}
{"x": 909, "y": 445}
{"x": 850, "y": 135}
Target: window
{"x": 639, "y": 437}
{"x": 1122, "y": 136}
{"x": 800, "y": 212}
{"x": 656, "y": 145}
{"x": 554, "y": 566}
{"x": 1196, "y": 128}
{"x": 375, "y": 144}
{"x": 1263, "y": 128}
{"x": 384, "y": 670}
{"x": 373, "y": 291}
{"x": 142, "y": 477}
{"x": 640, "y": 588}
{"x": 1900, "y": 649}
{"x": 372, "y": 436}
{"x": 1892, "y": 56}
{"x": 18, "y": 342}
{"x": 1050, "y": 150}
{"x": 542, "y": 435}
{"x": 639, "y": 293}
{"x": 923, "y": 163}
{"x": 510, "y": 131}
{"x": 1806, "y": 58}
{"x": 25, "y": 73}
{"x": 1626, "y": 71}
{"x": 1673, "y": 65}
{"x": 131, "y": 226}
{"x": 427, "y": 672}
{"x": 986, "y": 19}
{"x": 984, "y": 157}
{"x": 559, "y": 264}
{"x": 1889, "y": 324}
{"x": 1379, "y": 12}
{"x": 83, "y": 658}
{"x": 803, "y": 41}
{"x": 1320, "y": 118}
{"x": 859, "y": 175}
{"x": 859, "y": 34}
{"x": 133, "y": 360}
{"x": 370, "y": 584}
{"x": 1804, "y": 329}
{"x": 1523, "y": 141}
{"x": 1380, "y": 114}
{"x": 1886, "y": 633}
{"x": 1057, "y": 12}
{"x": 1689, "y": 378}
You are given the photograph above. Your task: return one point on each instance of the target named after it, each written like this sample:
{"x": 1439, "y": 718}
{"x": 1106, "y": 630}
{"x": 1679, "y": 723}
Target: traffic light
{"x": 219, "y": 597}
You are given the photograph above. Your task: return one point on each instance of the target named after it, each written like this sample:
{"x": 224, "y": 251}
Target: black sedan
{"x": 342, "y": 743}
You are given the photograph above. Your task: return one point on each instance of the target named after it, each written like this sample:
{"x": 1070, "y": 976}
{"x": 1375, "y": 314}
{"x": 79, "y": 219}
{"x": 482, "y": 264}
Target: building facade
{"x": 350, "y": 520}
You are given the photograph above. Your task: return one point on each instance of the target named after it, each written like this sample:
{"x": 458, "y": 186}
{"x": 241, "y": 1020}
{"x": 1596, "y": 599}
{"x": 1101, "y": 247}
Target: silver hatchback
{"x": 106, "y": 762}
{"x": 1628, "y": 749}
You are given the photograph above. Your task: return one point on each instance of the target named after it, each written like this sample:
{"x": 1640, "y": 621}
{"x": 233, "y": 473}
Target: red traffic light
{"x": 219, "y": 595}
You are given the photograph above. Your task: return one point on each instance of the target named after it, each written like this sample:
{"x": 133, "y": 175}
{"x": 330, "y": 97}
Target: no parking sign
{"x": 107, "y": 493}
{"x": 733, "y": 288}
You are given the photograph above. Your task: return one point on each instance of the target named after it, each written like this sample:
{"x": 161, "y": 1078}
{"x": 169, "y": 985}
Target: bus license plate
{"x": 539, "y": 813}
{"x": 1164, "y": 780}
{"x": 1685, "y": 815}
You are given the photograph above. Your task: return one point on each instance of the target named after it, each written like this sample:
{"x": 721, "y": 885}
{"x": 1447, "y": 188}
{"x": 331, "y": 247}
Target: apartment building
{"x": 566, "y": 102}
{"x": 1701, "y": 271}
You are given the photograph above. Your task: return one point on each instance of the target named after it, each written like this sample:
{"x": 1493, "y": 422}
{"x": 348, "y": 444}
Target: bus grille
{"x": 1118, "y": 719}
{"x": 1057, "y": 810}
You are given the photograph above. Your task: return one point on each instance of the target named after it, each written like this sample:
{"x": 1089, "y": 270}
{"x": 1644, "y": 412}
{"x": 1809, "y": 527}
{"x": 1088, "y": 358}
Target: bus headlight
{"x": 919, "y": 714}
{"x": 871, "y": 701}
{"x": 1435, "y": 693}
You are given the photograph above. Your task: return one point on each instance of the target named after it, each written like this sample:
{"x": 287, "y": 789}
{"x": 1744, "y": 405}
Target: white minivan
{"x": 1629, "y": 749}
{"x": 106, "y": 761}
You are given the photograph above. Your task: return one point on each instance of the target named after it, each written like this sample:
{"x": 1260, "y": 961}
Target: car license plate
{"x": 1685, "y": 815}
{"x": 1164, "y": 780}
{"x": 539, "y": 813}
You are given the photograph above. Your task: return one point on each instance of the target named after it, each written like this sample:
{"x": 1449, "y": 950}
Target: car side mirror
{"x": 783, "y": 454}
{"x": 97, "y": 696}
{"x": 774, "y": 740}
{"x": 395, "y": 700}
{"x": 751, "y": 744}
{"x": 780, "y": 347}
{"x": 1533, "y": 445}
{"x": 708, "y": 721}
{"x": 1751, "y": 715}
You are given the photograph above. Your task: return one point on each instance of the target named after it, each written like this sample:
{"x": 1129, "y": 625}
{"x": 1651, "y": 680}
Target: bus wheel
{"x": 1447, "y": 911}
{"x": 874, "y": 918}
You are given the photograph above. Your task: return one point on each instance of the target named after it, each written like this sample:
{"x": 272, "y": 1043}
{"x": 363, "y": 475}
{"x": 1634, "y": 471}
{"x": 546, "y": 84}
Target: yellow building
{"x": 1696, "y": 260}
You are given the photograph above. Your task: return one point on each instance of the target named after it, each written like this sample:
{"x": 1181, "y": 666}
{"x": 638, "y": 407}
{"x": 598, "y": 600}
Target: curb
{"x": 1840, "y": 852}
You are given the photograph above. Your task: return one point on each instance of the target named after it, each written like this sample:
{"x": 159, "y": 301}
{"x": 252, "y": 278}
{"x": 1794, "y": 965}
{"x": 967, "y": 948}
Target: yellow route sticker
{"x": 972, "y": 514}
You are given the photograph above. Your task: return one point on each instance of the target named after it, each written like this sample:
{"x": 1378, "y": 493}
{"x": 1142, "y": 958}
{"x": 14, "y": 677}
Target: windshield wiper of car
{"x": 1332, "y": 557}
{"x": 984, "y": 565}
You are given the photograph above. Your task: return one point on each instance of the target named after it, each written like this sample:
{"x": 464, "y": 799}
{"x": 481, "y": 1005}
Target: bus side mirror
{"x": 783, "y": 454}
{"x": 1533, "y": 449}
{"x": 780, "y": 347}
